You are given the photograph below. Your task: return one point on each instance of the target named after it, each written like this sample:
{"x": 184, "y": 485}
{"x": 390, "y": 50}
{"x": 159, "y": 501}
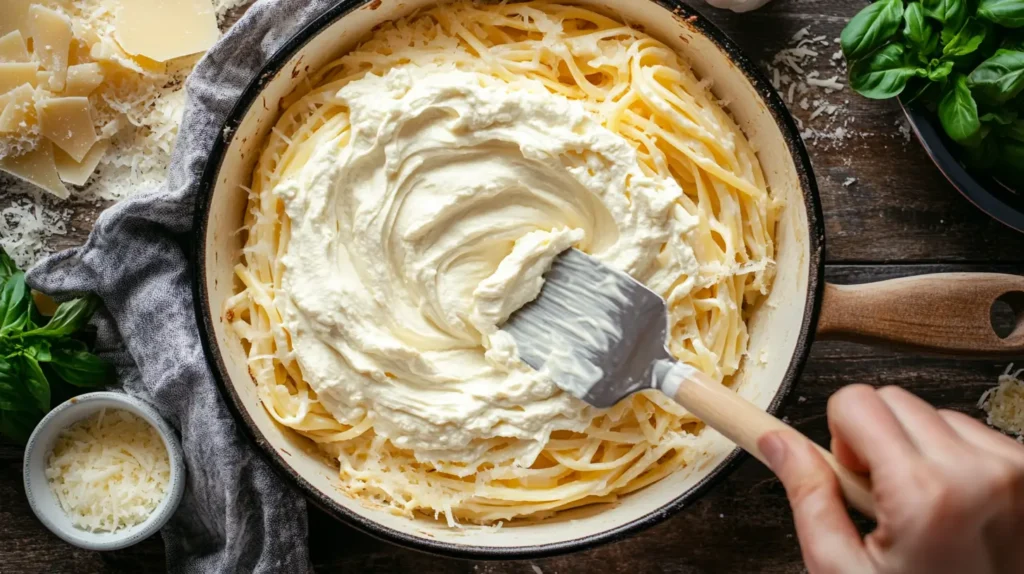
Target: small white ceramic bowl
{"x": 45, "y": 504}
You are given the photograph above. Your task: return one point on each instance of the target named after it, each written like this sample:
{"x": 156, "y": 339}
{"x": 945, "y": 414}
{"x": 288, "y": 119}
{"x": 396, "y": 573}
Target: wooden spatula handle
{"x": 743, "y": 423}
{"x": 947, "y": 313}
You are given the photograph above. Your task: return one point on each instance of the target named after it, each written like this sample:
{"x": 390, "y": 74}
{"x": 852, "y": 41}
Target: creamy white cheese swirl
{"x": 416, "y": 236}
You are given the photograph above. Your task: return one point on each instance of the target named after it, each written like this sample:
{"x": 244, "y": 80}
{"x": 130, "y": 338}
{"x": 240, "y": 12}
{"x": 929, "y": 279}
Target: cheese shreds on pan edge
{"x": 135, "y": 103}
{"x": 109, "y": 471}
{"x": 1005, "y": 403}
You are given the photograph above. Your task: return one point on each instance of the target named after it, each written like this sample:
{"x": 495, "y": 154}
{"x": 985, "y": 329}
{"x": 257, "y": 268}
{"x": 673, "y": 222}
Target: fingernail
{"x": 773, "y": 448}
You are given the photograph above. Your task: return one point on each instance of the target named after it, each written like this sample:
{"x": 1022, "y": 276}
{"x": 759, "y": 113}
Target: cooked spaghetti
{"x": 408, "y": 200}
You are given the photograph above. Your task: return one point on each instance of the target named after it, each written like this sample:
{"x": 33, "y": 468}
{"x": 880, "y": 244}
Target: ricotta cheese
{"x": 414, "y": 237}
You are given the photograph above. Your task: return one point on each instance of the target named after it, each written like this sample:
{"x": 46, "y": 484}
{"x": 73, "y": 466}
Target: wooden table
{"x": 900, "y": 217}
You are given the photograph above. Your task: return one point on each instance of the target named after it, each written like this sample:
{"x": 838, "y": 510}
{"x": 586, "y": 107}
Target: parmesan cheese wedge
{"x": 162, "y": 30}
{"x": 83, "y": 79}
{"x": 67, "y": 122}
{"x": 13, "y": 75}
{"x": 37, "y": 167}
{"x": 12, "y": 16}
{"x": 51, "y": 41}
{"x": 13, "y": 48}
{"x": 19, "y": 110}
{"x": 79, "y": 172}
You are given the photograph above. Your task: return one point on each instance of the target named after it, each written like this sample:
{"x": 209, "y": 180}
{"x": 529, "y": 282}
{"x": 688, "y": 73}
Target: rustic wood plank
{"x": 900, "y": 208}
{"x": 748, "y": 508}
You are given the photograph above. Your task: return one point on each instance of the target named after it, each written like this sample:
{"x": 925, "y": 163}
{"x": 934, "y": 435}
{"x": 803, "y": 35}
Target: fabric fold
{"x": 237, "y": 515}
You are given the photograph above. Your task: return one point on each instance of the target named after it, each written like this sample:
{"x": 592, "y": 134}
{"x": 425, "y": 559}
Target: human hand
{"x": 948, "y": 491}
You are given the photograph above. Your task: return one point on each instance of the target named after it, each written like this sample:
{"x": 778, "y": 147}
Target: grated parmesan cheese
{"x": 109, "y": 471}
{"x": 137, "y": 109}
{"x": 1005, "y": 403}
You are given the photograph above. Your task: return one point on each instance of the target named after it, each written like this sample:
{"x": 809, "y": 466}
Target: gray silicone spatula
{"x": 601, "y": 336}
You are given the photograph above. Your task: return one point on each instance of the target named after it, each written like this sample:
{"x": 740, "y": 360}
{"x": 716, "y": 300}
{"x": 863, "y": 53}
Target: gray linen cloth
{"x": 237, "y": 514}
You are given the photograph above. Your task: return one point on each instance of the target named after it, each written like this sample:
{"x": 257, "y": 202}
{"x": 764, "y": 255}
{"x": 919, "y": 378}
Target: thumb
{"x": 828, "y": 539}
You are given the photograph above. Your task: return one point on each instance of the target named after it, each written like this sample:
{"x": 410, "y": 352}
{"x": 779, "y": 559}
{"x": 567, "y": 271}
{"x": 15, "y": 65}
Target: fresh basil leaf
{"x": 967, "y": 40}
{"x": 958, "y": 113}
{"x": 1009, "y": 164}
{"x": 982, "y": 156}
{"x": 81, "y": 368}
{"x": 950, "y": 13}
{"x": 1001, "y": 117}
{"x": 7, "y": 266}
{"x": 916, "y": 30}
{"x": 39, "y": 350}
{"x": 1013, "y": 131}
{"x": 870, "y": 28}
{"x": 18, "y": 425}
{"x": 12, "y": 396}
{"x": 1009, "y": 13}
{"x": 938, "y": 70}
{"x": 884, "y": 74}
{"x": 15, "y": 300}
{"x": 999, "y": 78}
{"x": 69, "y": 318}
{"x": 36, "y": 382}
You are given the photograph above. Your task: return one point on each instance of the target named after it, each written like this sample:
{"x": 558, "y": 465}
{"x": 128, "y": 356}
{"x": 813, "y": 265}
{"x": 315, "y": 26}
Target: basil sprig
{"x": 963, "y": 59}
{"x": 39, "y": 358}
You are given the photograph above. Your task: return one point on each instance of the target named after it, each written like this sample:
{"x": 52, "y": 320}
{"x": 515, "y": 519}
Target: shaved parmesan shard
{"x": 83, "y": 79}
{"x": 79, "y": 172}
{"x": 12, "y": 16}
{"x": 13, "y": 48}
{"x": 67, "y": 122}
{"x": 109, "y": 471}
{"x": 37, "y": 167}
{"x": 13, "y": 75}
{"x": 166, "y": 29}
{"x": 51, "y": 42}
{"x": 19, "y": 110}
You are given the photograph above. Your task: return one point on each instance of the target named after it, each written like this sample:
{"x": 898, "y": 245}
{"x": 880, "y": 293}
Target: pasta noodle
{"x": 637, "y": 88}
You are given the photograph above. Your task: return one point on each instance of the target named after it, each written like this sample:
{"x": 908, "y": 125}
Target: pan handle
{"x": 948, "y": 313}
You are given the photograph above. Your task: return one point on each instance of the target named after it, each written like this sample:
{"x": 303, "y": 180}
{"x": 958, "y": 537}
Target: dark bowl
{"x": 987, "y": 194}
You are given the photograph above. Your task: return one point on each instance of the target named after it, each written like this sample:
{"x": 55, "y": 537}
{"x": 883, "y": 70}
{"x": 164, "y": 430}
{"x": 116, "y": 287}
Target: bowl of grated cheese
{"x": 103, "y": 471}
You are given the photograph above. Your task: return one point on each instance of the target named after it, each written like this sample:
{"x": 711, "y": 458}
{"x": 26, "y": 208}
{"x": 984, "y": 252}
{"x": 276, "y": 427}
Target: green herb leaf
{"x": 7, "y": 266}
{"x": 1014, "y": 131}
{"x": 884, "y": 74}
{"x": 951, "y": 13}
{"x": 1009, "y": 13}
{"x": 12, "y": 396}
{"x": 958, "y": 113}
{"x": 916, "y": 30}
{"x": 999, "y": 78}
{"x": 36, "y": 382}
{"x": 18, "y": 425}
{"x": 1009, "y": 164}
{"x": 81, "y": 368}
{"x": 1001, "y": 117}
{"x": 967, "y": 40}
{"x": 870, "y": 28}
{"x": 938, "y": 70}
{"x": 14, "y": 304}
{"x": 69, "y": 318}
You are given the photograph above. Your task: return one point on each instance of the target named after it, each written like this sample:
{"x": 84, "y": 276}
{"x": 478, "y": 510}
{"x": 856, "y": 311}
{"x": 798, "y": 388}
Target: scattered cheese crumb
{"x": 109, "y": 471}
{"x": 1005, "y": 403}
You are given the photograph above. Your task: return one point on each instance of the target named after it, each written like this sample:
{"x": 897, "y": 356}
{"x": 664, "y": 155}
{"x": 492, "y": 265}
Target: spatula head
{"x": 595, "y": 330}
